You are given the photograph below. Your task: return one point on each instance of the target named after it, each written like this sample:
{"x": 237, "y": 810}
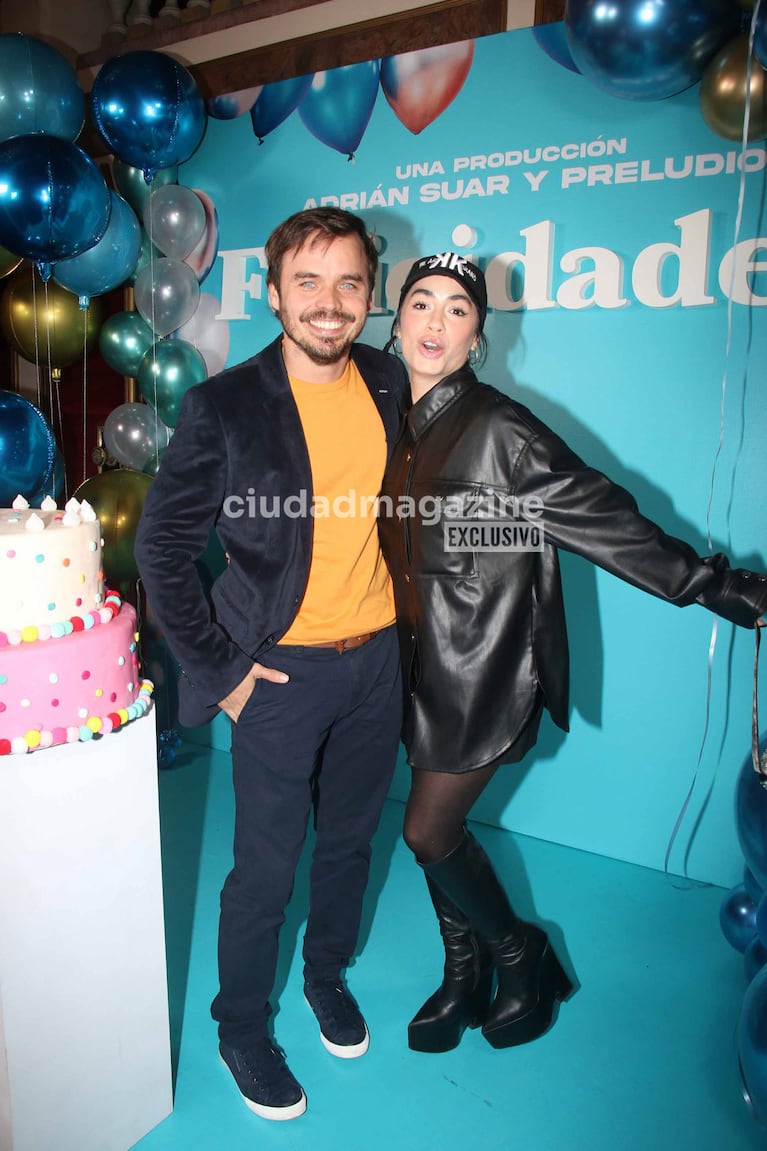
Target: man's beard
{"x": 320, "y": 351}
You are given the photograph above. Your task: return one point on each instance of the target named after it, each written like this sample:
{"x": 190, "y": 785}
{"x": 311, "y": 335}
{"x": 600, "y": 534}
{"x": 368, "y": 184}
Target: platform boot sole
{"x": 555, "y": 987}
{"x": 443, "y": 1034}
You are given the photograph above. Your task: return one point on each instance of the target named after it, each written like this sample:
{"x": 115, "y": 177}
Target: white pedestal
{"x": 84, "y": 1039}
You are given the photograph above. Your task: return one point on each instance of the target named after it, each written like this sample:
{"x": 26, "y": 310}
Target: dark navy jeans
{"x": 337, "y": 723}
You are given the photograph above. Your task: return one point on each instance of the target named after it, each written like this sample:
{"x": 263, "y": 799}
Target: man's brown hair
{"x": 316, "y": 223}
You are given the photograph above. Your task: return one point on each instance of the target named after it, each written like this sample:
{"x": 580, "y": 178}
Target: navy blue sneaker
{"x": 265, "y": 1081}
{"x": 342, "y": 1028}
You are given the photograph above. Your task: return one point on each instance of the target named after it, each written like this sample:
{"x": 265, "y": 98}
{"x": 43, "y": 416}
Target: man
{"x": 284, "y": 455}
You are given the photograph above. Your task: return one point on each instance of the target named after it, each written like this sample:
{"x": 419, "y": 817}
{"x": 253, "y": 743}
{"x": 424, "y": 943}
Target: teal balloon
{"x": 339, "y": 103}
{"x": 275, "y": 103}
{"x": 38, "y": 90}
{"x": 165, "y": 375}
{"x": 149, "y": 110}
{"x": 54, "y": 203}
{"x": 166, "y": 293}
{"x": 175, "y": 220}
{"x": 132, "y": 186}
{"x": 28, "y": 451}
{"x": 147, "y": 253}
{"x": 110, "y": 261}
{"x": 124, "y": 339}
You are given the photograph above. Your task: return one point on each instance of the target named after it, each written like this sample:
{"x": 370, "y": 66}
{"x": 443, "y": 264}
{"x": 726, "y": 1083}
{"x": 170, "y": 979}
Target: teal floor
{"x": 642, "y": 1058}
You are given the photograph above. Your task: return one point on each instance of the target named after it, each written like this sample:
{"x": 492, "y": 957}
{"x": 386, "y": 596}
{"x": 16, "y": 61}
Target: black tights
{"x": 437, "y": 808}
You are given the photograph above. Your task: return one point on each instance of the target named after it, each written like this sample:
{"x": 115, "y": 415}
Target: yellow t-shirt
{"x": 349, "y": 591}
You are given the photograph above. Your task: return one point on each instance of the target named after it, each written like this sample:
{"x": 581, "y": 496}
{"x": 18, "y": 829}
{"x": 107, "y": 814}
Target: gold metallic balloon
{"x": 117, "y": 497}
{"x": 44, "y": 322}
{"x": 9, "y": 262}
{"x": 724, "y": 91}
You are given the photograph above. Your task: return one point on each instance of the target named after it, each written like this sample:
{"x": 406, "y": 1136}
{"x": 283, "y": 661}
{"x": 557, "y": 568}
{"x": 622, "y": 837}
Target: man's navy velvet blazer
{"x": 238, "y": 444}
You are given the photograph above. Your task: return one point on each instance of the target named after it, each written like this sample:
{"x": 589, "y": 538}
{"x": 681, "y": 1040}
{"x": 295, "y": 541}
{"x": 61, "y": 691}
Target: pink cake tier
{"x": 83, "y": 684}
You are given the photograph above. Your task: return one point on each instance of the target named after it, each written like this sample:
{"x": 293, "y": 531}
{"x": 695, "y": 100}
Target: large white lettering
{"x": 236, "y": 284}
{"x": 673, "y": 272}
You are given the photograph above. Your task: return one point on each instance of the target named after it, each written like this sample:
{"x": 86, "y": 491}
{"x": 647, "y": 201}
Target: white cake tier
{"x": 50, "y": 571}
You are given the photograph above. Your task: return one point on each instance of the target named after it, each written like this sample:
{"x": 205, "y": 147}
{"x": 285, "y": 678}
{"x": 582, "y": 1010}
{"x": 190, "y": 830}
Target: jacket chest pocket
{"x": 440, "y": 545}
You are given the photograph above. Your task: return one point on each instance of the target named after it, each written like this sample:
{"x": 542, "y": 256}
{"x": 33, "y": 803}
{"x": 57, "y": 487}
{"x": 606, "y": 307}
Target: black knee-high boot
{"x": 531, "y": 980}
{"x": 463, "y": 998}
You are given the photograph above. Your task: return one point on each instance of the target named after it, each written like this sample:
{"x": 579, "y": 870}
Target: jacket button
{"x": 270, "y": 640}
{"x": 408, "y": 457}
{"x": 407, "y": 577}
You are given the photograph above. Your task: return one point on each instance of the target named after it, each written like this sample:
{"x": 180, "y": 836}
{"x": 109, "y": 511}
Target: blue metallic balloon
{"x": 54, "y": 203}
{"x": 149, "y": 110}
{"x": 647, "y": 49}
{"x": 38, "y": 90}
{"x": 751, "y": 819}
{"x": 754, "y": 958}
{"x": 233, "y": 104}
{"x": 109, "y": 262}
{"x": 275, "y": 103}
{"x": 752, "y": 1044}
{"x": 754, "y": 889}
{"x": 737, "y": 918}
{"x": 552, "y": 38}
{"x": 28, "y": 450}
{"x": 339, "y": 104}
{"x": 760, "y": 35}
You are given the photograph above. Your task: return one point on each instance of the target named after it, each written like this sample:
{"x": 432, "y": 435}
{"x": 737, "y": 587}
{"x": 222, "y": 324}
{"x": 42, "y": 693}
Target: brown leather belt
{"x": 341, "y": 645}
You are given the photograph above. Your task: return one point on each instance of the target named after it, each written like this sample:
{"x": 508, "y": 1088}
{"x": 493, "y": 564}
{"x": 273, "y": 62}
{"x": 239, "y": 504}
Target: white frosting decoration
{"x": 35, "y": 524}
{"x": 20, "y": 504}
{"x": 72, "y": 505}
{"x": 71, "y": 519}
{"x": 87, "y": 513}
{"x": 48, "y": 505}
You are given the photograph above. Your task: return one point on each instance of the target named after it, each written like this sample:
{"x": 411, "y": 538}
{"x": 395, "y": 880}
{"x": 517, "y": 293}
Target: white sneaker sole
{"x": 277, "y": 1114}
{"x": 346, "y": 1052}
{"x": 340, "y": 1050}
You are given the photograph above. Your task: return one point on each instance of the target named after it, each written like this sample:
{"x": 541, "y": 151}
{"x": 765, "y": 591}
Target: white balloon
{"x": 134, "y": 434}
{"x": 166, "y": 294}
{"x": 209, "y": 335}
{"x": 175, "y": 220}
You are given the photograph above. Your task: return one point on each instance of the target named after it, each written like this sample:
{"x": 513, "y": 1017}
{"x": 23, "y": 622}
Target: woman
{"x": 482, "y": 631}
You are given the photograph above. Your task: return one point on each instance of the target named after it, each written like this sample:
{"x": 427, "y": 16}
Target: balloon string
{"x": 37, "y": 345}
{"x": 151, "y": 266}
{"x": 693, "y": 784}
{"x": 84, "y": 315}
{"x": 58, "y": 423}
{"x": 48, "y": 353}
{"x": 728, "y": 346}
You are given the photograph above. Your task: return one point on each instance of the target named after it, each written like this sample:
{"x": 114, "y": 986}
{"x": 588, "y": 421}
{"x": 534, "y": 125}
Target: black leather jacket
{"x": 482, "y": 632}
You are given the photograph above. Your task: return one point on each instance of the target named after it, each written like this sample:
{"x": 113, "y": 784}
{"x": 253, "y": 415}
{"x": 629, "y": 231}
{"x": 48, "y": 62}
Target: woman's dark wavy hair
{"x": 310, "y": 224}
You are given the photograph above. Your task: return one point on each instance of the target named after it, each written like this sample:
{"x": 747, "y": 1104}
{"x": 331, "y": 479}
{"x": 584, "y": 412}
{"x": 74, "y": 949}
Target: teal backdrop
{"x": 640, "y": 338}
